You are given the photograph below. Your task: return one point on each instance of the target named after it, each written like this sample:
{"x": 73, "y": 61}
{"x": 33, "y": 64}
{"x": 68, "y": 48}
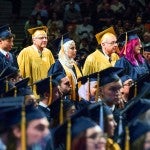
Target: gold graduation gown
{"x": 111, "y": 145}
{"x": 97, "y": 61}
{"x": 74, "y": 86}
{"x": 34, "y": 65}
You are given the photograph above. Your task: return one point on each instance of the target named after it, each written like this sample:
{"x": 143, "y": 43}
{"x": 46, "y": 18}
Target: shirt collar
{"x": 3, "y": 52}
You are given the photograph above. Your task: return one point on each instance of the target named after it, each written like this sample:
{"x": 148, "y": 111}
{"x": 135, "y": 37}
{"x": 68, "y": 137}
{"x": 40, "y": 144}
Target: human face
{"x": 40, "y": 41}
{"x": 147, "y": 56}
{"x": 111, "y": 93}
{"x": 37, "y": 130}
{"x": 65, "y": 86}
{"x": 6, "y": 44}
{"x": 147, "y": 141}
{"x": 70, "y": 112}
{"x": 93, "y": 88}
{"x": 72, "y": 50}
{"x": 111, "y": 125}
{"x": 95, "y": 139}
{"x": 137, "y": 49}
{"x": 126, "y": 87}
{"x": 109, "y": 45}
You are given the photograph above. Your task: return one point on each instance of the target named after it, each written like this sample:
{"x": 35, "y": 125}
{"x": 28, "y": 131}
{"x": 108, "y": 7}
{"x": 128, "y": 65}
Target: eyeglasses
{"x": 112, "y": 43}
{"x": 41, "y": 38}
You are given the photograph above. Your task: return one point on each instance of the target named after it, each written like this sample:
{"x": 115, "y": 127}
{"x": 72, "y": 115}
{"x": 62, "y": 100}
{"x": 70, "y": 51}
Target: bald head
{"x": 108, "y": 37}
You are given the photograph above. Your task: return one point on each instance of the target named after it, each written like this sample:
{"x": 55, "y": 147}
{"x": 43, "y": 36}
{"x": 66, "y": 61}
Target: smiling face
{"x": 36, "y": 130}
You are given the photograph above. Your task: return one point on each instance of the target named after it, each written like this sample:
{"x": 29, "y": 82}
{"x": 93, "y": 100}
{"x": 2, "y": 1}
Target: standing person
{"x": 35, "y": 60}
{"x": 6, "y": 44}
{"x": 130, "y": 56}
{"x": 104, "y": 57}
{"x": 67, "y": 64}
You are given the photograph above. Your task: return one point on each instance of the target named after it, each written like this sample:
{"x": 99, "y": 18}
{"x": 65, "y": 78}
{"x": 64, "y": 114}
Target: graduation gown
{"x": 58, "y": 67}
{"x": 4, "y": 62}
{"x": 32, "y": 65}
{"x": 133, "y": 71}
{"x": 97, "y": 61}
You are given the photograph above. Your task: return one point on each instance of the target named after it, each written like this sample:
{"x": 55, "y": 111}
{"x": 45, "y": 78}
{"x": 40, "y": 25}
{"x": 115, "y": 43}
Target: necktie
{"x": 7, "y": 56}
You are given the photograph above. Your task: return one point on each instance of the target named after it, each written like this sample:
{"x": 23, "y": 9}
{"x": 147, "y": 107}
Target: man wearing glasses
{"x": 35, "y": 60}
{"x": 105, "y": 55}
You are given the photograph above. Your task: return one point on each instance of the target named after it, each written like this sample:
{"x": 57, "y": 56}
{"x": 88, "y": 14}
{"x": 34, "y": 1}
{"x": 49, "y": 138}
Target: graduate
{"x": 35, "y": 60}
{"x": 6, "y": 44}
{"x": 67, "y": 64}
{"x": 130, "y": 56}
{"x": 105, "y": 56}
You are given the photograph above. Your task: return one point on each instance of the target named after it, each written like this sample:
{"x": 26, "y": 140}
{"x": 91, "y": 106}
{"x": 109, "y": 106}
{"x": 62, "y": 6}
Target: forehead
{"x": 114, "y": 84}
{"x": 65, "y": 79}
{"x": 109, "y": 37}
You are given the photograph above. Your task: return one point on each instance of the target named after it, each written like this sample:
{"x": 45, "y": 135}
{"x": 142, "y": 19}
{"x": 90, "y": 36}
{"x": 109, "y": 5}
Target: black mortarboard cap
{"x": 5, "y": 32}
{"x": 136, "y": 107}
{"x": 9, "y": 71}
{"x": 125, "y": 78}
{"x": 127, "y": 36}
{"x": 109, "y": 75}
{"x": 31, "y": 113}
{"x": 91, "y": 77}
{"x": 21, "y": 88}
{"x": 138, "y": 85}
{"x": 137, "y": 129}
{"x": 43, "y": 85}
{"x": 78, "y": 125}
{"x": 55, "y": 107}
{"x": 10, "y": 103}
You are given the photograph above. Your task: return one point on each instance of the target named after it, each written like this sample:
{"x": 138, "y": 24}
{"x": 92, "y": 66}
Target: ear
{"x": 17, "y": 132}
{"x": 46, "y": 95}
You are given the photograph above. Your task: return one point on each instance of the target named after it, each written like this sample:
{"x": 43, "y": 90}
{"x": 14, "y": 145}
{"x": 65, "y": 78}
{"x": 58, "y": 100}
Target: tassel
{"x": 135, "y": 89}
{"x": 97, "y": 92}
{"x": 61, "y": 116}
{"x": 15, "y": 92}
{"x": 127, "y": 139}
{"x": 23, "y": 129}
{"x": 101, "y": 114}
{"x": 50, "y": 92}
{"x": 125, "y": 48}
{"x": 6, "y": 89}
{"x": 68, "y": 140}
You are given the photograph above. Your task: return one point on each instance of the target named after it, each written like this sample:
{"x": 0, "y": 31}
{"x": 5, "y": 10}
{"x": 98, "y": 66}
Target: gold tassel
{"x": 15, "y": 92}
{"x": 23, "y": 129}
{"x": 68, "y": 140}
{"x": 50, "y": 92}
{"x": 6, "y": 89}
{"x": 125, "y": 44}
{"x": 61, "y": 116}
{"x": 135, "y": 89}
{"x": 97, "y": 92}
{"x": 127, "y": 139}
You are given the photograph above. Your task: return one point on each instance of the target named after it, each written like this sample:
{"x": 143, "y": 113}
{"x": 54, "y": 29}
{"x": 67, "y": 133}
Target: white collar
{"x": 106, "y": 55}
{"x": 42, "y": 104}
{"x": 3, "y": 52}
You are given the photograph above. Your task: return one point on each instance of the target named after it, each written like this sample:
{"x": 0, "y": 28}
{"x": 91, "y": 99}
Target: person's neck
{"x": 18, "y": 147}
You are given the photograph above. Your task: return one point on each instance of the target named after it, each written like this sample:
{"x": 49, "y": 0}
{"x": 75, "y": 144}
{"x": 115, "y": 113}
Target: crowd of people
{"x": 87, "y": 89}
